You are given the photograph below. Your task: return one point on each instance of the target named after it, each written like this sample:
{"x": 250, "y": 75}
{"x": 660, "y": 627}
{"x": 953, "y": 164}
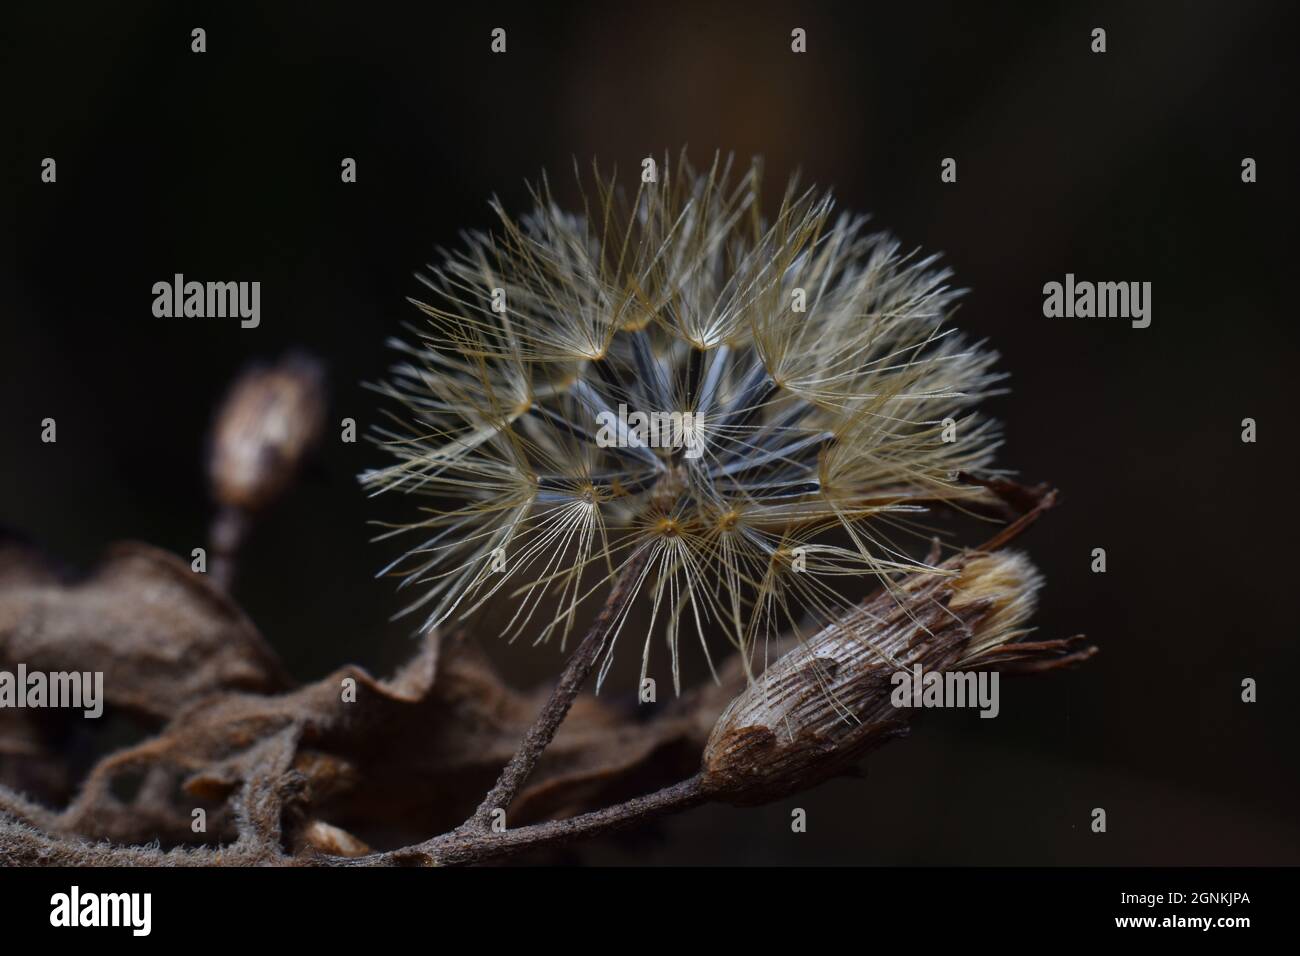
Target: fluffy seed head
{"x": 748, "y": 401}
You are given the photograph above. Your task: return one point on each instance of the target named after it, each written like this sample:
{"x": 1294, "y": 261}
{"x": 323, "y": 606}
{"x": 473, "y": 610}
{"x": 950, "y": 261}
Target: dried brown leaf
{"x": 162, "y": 636}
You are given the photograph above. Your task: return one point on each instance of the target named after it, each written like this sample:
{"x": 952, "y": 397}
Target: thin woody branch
{"x": 575, "y": 674}
{"x": 460, "y": 848}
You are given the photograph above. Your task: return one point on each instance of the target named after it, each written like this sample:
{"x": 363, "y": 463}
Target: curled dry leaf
{"x": 162, "y": 636}
{"x": 421, "y": 748}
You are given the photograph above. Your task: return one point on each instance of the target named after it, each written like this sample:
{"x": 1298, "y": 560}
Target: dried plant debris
{"x": 350, "y": 763}
{"x": 280, "y": 770}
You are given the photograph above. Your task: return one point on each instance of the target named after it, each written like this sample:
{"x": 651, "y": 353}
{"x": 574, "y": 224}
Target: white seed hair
{"x": 817, "y": 427}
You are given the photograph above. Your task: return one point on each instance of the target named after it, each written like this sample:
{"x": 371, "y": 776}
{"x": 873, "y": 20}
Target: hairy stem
{"x": 229, "y": 529}
{"x": 575, "y": 674}
{"x": 461, "y": 847}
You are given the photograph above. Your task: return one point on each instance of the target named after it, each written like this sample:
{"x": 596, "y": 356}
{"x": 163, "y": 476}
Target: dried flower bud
{"x": 265, "y": 427}
{"x": 823, "y": 705}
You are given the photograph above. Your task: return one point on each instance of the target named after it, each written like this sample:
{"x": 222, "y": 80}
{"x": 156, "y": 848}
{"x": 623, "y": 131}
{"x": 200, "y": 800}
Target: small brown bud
{"x": 270, "y": 419}
{"x": 822, "y": 706}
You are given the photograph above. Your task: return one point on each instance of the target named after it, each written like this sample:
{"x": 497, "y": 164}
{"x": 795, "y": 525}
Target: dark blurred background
{"x": 1122, "y": 166}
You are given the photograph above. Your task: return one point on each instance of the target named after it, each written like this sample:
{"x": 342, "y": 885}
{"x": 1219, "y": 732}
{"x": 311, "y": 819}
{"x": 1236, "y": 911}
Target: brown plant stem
{"x": 1026, "y": 503}
{"x": 229, "y": 530}
{"x": 575, "y": 674}
{"x": 464, "y": 847}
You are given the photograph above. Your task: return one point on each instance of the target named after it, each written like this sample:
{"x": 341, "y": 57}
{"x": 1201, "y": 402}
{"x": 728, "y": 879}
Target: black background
{"x": 1123, "y": 166}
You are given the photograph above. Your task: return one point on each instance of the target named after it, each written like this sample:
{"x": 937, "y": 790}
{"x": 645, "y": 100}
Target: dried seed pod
{"x": 268, "y": 422}
{"x": 823, "y": 705}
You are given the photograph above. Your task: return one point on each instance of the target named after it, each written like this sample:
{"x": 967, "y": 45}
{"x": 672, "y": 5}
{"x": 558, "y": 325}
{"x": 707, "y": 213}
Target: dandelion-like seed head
{"x": 735, "y": 408}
